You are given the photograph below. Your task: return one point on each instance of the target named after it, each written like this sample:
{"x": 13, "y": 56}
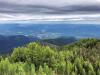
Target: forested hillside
{"x": 7, "y": 43}
{"x": 79, "y": 58}
{"x": 61, "y": 40}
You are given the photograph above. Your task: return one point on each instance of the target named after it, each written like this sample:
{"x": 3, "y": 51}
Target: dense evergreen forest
{"x": 79, "y": 58}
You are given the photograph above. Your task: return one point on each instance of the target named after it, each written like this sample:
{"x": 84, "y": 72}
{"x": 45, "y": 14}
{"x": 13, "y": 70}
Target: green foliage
{"x": 7, "y": 68}
{"x": 34, "y": 53}
{"x": 80, "y": 58}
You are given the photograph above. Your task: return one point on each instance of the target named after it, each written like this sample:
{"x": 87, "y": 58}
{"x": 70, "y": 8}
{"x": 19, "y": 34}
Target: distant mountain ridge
{"x": 7, "y": 43}
{"x": 60, "y": 41}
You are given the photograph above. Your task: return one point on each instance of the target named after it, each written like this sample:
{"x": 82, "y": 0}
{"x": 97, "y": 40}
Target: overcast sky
{"x": 50, "y": 10}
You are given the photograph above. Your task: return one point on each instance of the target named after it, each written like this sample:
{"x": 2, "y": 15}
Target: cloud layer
{"x": 34, "y": 9}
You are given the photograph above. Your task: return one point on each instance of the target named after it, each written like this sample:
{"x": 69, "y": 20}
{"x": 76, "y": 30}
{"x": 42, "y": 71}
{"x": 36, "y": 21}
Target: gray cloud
{"x": 19, "y": 10}
{"x": 6, "y": 7}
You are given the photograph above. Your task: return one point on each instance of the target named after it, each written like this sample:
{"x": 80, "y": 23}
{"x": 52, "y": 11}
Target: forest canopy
{"x": 79, "y": 58}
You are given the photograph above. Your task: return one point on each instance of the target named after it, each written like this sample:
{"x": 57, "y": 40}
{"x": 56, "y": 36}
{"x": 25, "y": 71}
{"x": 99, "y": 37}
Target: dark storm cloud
{"x": 46, "y": 9}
